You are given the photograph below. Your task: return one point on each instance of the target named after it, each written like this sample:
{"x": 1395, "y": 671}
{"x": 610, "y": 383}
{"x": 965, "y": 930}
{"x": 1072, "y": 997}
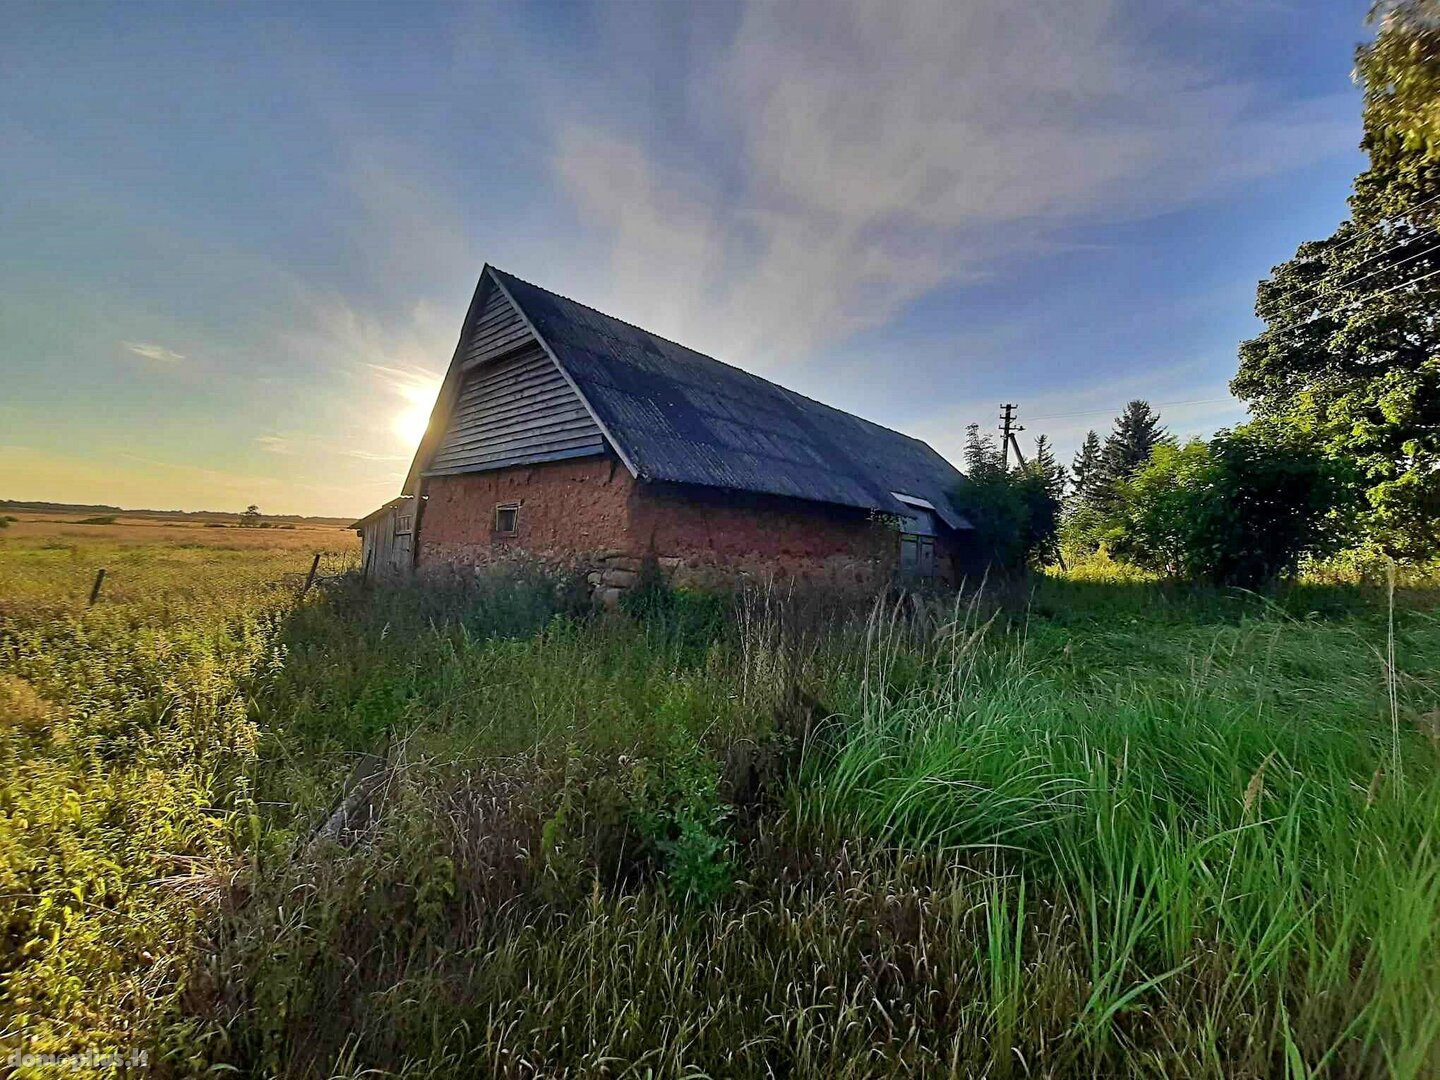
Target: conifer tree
{"x": 1050, "y": 471}
{"x": 1085, "y": 470}
{"x": 1014, "y": 514}
{"x": 1136, "y": 434}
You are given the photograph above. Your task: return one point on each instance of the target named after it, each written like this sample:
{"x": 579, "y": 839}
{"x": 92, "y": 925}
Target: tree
{"x": 1400, "y": 70}
{"x": 1085, "y": 470}
{"x": 1049, "y": 469}
{"x": 251, "y": 517}
{"x": 1084, "y": 520}
{"x": 1242, "y": 509}
{"x": 1013, "y": 510}
{"x": 1136, "y": 434}
{"x": 1349, "y": 359}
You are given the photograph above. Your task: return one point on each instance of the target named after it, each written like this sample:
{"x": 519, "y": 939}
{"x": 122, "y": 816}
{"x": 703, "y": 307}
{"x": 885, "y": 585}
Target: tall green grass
{"x": 1075, "y": 827}
{"x": 1088, "y": 831}
{"x": 126, "y": 754}
{"x": 1249, "y": 821}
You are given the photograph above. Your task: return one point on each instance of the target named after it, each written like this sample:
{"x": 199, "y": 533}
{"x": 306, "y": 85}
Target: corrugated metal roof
{"x": 680, "y": 416}
{"x": 383, "y": 510}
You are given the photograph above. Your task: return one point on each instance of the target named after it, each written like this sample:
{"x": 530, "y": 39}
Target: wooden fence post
{"x": 310, "y": 578}
{"x": 95, "y": 589}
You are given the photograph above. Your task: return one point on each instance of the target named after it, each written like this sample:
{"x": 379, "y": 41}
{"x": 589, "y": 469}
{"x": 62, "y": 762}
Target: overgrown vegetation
{"x": 1238, "y": 510}
{"x": 126, "y": 755}
{"x": 1343, "y": 384}
{"x": 1108, "y": 826}
{"x": 1015, "y": 511}
{"x": 1350, "y": 355}
{"x": 1097, "y": 827}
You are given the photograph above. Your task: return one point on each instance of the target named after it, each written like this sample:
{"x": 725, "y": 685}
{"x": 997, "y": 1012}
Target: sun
{"x": 410, "y": 422}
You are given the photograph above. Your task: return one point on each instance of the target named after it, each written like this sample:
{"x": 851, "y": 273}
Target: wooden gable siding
{"x": 513, "y": 406}
{"x": 497, "y": 329}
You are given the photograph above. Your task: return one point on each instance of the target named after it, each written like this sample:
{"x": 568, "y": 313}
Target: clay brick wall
{"x": 567, "y": 509}
{"x": 591, "y": 514}
{"x": 707, "y": 537}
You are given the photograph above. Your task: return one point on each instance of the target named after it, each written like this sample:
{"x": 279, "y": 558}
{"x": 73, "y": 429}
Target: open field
{"x": 1086, "y": 827}
{"x": 84, "y": 531}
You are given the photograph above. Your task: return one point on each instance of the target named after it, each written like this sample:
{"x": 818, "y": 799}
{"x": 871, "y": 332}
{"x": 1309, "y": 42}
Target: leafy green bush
{"x": 690, "y": 617}
{"x": 1239, "y": 510}
{"x": 1368, "y": 564}
{"x": 1082, "y": 532}
{"x": 1015, "y": 512}
{"x": 676, "y": 805}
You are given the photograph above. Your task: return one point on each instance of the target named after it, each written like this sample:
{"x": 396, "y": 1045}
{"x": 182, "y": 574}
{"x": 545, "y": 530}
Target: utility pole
{"x": 1008, "y": 428}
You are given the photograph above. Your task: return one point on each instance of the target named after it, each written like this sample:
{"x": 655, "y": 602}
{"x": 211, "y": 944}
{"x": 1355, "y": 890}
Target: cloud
{"x": 276, "y": 444}
{"x": 315, "y": 447}
{"x": 381, "y": 375}
{"x": 370, "y": 455}
{"x": 411, "y": 383}
{"x": 883, "y": 150}
{"x": 153, "y": 352}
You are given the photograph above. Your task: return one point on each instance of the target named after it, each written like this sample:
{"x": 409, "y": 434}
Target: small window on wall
{"x": 917, "y": 557}
{"x": 507, "y": 519}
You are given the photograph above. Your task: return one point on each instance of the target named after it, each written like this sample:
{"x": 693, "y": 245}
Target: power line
{"x": 1215, "y": 401}
{"x": 1361, "y": 231}
{"x": 1392, "y": 288}
{"x": 1340, "y": 286}
{"x": 1117, "y": 411}
{"x": 1365, "y": 299}
{"x": 1353, "y": 238}
{"x": 1007, "y": 417}
{"x": 1386, "y": 251}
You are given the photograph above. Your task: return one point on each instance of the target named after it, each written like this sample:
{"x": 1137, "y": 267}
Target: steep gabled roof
{"x": 675, "y": 415}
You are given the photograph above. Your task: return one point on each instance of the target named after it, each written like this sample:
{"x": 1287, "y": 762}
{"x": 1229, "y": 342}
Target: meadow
{"x": 1079, "y": 826}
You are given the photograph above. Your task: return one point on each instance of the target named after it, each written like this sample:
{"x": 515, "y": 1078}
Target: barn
{"x": 589, "y": 443}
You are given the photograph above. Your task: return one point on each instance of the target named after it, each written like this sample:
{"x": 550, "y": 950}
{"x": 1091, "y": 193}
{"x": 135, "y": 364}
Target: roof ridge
{"x": 715, "y": 360}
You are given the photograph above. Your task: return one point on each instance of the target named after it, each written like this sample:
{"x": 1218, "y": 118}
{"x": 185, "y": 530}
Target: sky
{"x": 237, "y": 241}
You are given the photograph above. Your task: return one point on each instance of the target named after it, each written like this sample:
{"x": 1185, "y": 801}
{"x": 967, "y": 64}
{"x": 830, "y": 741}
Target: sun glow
{"x": 410, "y": 422}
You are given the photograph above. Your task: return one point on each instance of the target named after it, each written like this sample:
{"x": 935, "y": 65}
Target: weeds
{"x": 1092, "y": 828}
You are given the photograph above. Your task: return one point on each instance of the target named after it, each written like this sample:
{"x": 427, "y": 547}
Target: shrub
{"x": 1014, "y": 511}
{"x": 676, "y": 806}
{"x": 1239, "y": 510}
{"x": 691, "y": 617}
{"x": 1082, "y": 532}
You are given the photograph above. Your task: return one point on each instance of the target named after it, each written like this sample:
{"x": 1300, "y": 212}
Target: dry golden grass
{"x": 48, "y": 561}
{"x": 136, "y": 531}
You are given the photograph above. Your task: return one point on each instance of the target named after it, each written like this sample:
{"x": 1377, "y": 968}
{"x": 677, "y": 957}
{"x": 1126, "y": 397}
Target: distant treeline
{"x": 7, "y": 505}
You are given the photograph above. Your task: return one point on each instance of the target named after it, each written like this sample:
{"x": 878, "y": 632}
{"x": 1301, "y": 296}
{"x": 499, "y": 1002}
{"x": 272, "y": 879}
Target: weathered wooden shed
{"x": 386, "y": 536}
{"x": 582, "y": 439}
